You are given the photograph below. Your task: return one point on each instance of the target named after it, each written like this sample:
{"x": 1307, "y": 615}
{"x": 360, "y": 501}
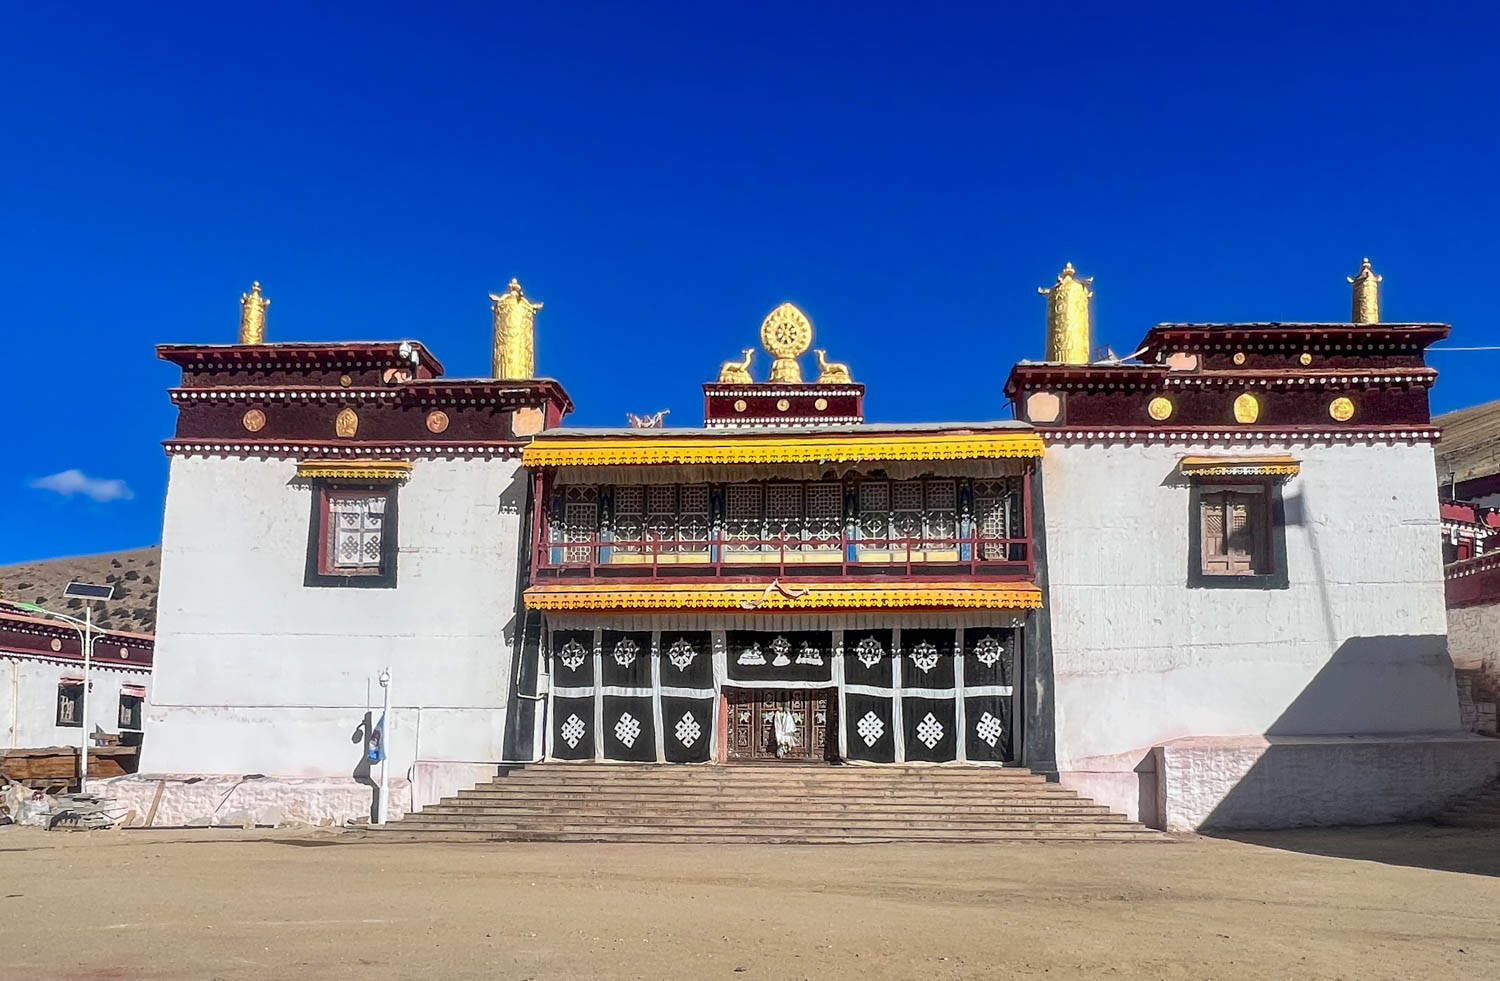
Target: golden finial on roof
{"x": 1366, "y": 294}
{"x": 786, "y": 334}
{"x": 1068, "y": 331}
{"x": 832, "y": 372}
{"x": 253, "y": 316}
{"x": 515, "y": 333}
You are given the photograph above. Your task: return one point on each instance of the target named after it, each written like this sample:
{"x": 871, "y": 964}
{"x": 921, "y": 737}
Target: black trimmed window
{"x": 130, "y": 711}
{"x": 1237, "y": 536}
{"x": 352, "y": 535}
{"x": 70, "y": 704}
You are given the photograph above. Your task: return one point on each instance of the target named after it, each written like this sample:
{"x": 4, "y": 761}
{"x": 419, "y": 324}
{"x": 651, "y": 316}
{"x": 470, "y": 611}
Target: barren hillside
{"x": 133, "y": 573}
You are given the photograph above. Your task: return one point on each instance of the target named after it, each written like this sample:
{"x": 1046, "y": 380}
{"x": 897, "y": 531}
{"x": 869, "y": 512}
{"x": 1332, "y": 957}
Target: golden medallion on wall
{"x": 1239, "y": 357}
{"x": 437, "y": 421}
{"x": 820, "y": 404}
{"x": 1246, "y": 408}
{"x": 1159, "y": 408}
{"x": 739, "y": 405}
{"x": 1341, "y": 408}
{"x": 346, "y": 423}
{"x": 345, "y": 380}
{"x": 253, "y": 420}
{"x": 1305, "y": 359}
{"x": 783, "y": 404}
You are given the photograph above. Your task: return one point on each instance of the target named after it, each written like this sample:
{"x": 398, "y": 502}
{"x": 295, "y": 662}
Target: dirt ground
{"x": 1401, "y": 902}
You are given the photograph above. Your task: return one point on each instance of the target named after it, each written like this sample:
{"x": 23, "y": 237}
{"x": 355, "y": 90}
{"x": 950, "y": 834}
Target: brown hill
{"x": 133, "y": 573}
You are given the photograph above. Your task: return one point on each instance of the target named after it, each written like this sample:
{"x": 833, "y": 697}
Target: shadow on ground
{"x": 1421, "y": 846}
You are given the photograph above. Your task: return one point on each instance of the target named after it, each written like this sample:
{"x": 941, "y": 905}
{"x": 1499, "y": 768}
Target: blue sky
{"x": 662, "y": 176}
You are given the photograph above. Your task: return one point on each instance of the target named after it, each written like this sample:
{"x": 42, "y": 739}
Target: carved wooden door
{"x": 752, "y": 725}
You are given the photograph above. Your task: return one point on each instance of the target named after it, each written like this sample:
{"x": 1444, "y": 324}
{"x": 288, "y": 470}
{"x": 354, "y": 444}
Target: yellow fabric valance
{"x": 785, "y": 596}
{"x": 354, "y": 469}
{"x": 833, "y": 448}
{"x": 1240, "y": 466}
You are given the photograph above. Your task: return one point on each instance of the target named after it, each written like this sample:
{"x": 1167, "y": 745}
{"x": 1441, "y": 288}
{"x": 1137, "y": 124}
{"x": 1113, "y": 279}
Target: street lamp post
{"x": 88, "y": 592}
{"x": 383, "y": 802}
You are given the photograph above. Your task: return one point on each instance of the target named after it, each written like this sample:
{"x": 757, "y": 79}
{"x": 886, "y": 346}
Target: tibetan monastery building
{"x": 1202, "y": 586}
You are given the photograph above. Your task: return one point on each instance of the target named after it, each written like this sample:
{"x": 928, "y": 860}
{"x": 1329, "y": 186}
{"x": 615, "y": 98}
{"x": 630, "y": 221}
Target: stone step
{"x": 687, "y": 795}
{"x": 799, "y": 820}
{"x": 792, "y": 804}
{"x": 720, "y": 836}
{"x": 760, "y": 807}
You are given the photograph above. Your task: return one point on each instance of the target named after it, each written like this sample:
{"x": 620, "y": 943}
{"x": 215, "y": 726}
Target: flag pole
{"x": 383, "y": 803}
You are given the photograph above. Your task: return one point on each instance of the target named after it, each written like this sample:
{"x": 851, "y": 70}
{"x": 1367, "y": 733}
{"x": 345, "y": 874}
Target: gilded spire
{"x": 1068, "y": 335}
{"x": 1366, "y": 294}
{"x": 253, "y": 316}
{"x": 515, "y": 333}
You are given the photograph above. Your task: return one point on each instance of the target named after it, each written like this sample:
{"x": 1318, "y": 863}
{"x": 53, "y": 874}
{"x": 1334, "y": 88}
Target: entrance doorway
{"x": 752, "y": 725}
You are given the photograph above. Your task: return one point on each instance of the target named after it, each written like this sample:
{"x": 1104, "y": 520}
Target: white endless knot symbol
{"x": 625, "y": 652}
{"x": 869, "y": 651}
{"x": 573, "y": 655}
{"x": 930, "y": 731}
{"x": 871, "y": 728}
{"x": 989, "y": 729}
{"x": 681, "y": 654}
{"x": 688, "y": 730}
{"x": 925, "y": 656}
{"x": 572, "y": 731}
{"x": 781, "y": 645}
{"x": 628, "y": 729}
{"x": 988, "y": 650}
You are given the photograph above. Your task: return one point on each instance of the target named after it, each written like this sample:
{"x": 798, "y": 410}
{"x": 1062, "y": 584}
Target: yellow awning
{"x": 1240, "y": 466}
{"x": 354, "y": 469}
{"x": 785, "y": 596}
{"x": 813, "y": 448}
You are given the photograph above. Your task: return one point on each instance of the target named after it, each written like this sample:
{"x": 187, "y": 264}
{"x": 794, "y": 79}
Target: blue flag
{"x": 377, "y": 742}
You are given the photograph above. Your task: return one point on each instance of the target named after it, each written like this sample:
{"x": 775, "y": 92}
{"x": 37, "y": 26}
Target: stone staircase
{"x": 781, "y": 804}
{"x": 1480, "y": 809}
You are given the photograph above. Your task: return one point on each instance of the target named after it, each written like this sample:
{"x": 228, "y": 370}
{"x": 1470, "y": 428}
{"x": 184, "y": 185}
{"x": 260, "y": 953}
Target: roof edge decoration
{"x": 354, "y": 469}
{"x": 301, "y": 352}
{"x": 555, "y": 450}
{"x": 779, "y": 596}
{"x": 1240, "y": 466}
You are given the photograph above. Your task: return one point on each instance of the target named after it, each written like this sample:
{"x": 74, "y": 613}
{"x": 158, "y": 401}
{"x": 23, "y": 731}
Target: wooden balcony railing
{"x": 973, "y": 555}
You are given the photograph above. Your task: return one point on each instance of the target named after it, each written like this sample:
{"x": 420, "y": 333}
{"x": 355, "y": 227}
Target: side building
{"x": 1239, "y": 539}
{"x": 333, "y": 511}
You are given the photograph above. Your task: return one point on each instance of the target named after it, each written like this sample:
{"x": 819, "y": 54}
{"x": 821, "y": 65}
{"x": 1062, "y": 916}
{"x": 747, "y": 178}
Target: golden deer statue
{"x": 831, "y": 372}
{"x": 737, "y": 372}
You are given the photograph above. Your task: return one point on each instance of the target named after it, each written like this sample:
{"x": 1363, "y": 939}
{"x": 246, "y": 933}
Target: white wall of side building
{"x": 1352, "y": 647}
{"x": 28, "y": 699}
{"x": 257, "y": 673}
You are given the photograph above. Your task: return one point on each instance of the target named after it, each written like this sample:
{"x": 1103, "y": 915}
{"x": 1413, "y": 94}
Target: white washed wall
{"x": 1354, "y": 645}
{"x": 257, "y": 673}
{"x": 28, "y": 700}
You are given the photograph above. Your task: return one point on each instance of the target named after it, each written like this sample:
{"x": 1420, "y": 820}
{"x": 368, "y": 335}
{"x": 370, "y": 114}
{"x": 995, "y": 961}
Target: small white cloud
{"x": 71, "y": 482}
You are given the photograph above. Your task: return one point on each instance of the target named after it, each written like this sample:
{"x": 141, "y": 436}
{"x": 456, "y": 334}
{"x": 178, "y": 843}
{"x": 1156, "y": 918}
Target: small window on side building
{"x": 1234, "y": 531}
{"x": 130, "y": 711}
{"x": 70, "y": 704}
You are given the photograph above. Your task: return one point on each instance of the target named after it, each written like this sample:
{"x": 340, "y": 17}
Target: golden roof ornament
{"x": 832, "y": 372}
{"x": 253, "y": 316}
{"x": 737, "y": 372}
{"x": 786, "y": 334}
{"x": 1366, "y": 294}
{"x": 1068, "y": 331}
{"x": 514, "y": 353}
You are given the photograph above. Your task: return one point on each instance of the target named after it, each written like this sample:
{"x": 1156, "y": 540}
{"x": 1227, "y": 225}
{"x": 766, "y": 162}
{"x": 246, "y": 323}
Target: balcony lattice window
{"x": 743, "y": 511}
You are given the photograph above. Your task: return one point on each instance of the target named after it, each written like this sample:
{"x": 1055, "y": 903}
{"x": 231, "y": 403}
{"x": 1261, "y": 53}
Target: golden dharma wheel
{"x": 786, "y": 332}
{"x": 1341, "y": 409}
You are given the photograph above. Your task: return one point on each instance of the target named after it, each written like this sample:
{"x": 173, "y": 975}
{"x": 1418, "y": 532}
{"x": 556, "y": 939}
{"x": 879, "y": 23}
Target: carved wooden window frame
{"x": 322, "y": 570}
